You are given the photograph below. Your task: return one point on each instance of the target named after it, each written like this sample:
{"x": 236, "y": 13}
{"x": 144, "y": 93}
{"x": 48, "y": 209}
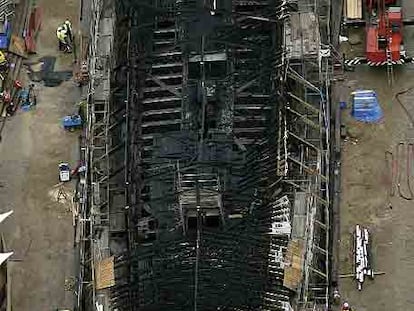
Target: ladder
{"x": 390, "y": 69}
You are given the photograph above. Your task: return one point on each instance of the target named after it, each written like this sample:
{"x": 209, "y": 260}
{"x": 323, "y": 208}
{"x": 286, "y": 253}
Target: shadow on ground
{"x": 44, "y": 70}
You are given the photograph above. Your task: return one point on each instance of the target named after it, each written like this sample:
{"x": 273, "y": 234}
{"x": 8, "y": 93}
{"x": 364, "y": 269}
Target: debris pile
{"x": 362, "y": 254}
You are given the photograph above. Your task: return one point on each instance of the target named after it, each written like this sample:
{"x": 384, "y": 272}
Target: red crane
{"x": 384, "y": 37}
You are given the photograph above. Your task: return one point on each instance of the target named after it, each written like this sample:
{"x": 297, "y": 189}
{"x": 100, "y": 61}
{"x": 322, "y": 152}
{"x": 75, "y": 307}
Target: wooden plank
{"x": 353, "y": 9}
{"x": 359, "y": 9}
{"x": 302, "y": 35}
{"x": 105, "y": 276}
{"x": 9, "y": 286}
{"x": 17, "y": 46}
{"x": 293, "y": 269}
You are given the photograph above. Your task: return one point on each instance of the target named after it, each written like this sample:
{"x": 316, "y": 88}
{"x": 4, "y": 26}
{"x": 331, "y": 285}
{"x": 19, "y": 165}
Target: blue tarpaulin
{"x": 5, "y": 33}
{"x": 73, "y": 121}
{"x": 365, "y": 106}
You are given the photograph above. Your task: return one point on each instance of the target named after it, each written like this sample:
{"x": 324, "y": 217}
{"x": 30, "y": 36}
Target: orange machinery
{"x": 384, "y": 37}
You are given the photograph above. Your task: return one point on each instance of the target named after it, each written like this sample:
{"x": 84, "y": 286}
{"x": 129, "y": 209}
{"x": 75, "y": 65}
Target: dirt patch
{"x": 365, "y": 199}
{"x": 32, "y": 147}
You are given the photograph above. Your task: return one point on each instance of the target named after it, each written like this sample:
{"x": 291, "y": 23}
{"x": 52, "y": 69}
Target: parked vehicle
{"x": 64, "y": 172}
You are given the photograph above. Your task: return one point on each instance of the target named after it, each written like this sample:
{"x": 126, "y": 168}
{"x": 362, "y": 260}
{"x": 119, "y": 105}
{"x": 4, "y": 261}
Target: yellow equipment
{"x": 61, "y": 34}
{"x": 68, "y": 26}
{"x": 3, "y": 59}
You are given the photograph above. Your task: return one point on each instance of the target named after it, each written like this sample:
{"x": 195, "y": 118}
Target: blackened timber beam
{"x": 245, "y": 86}
{"x": 96, "y": 127}
{"x": 116, "y": 171}
{"x": 306, "y": 104}
{"x": 111, "y": 127}
{"x": 239, "y": 144}
{"x": 261, "y": 18}
{"x": 165, "y": 86}
{"x": 112, "y": 174}
{"x": 102, "y": 205}
{"x": 296, "y": 76}
{"x": 138, "y": 5}
{"x": 241, "y": 45}
{"x": 305, "y": 119}
{"x": 318, "y": 272}
{"x": 304, "y": 141}
{"x": 306, "y": 168}
{"x": 117, "y": 111}
{"x": 115, "y": 124}
{"x": 117, "y": 190}
{"x": 117, "y": 147}
{"x": 248, "y": 15}
{"x": 275, "y": 183}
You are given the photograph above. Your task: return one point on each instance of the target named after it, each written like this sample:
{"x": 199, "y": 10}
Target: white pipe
{"x": 366, "y": 233}
{"x": 364, "y": 253}
{"x": 362, "y": 265}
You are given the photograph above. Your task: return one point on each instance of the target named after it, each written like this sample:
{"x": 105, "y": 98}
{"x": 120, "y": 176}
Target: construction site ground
{"x": 366, "y": 181}
{"x": 40, "y": 231}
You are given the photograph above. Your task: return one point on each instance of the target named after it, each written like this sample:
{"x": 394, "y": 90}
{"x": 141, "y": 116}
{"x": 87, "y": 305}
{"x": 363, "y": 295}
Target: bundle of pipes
{"x": 362, "y": 255}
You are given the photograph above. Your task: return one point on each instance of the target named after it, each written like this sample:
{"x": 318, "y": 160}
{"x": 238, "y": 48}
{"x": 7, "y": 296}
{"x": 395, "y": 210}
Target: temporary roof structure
{"x": 4, "y": 257}
{"x": 5, "y": 215}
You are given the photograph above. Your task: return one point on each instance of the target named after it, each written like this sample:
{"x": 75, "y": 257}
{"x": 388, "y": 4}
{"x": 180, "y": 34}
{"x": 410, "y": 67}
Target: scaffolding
{"x": 304, "y": 140}
{"x": 101, "y": 228}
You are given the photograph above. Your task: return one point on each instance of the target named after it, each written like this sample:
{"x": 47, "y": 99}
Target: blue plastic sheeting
{"x": 5, "y": 34}
{"x": 4, "y": 42}
{"x": 71, "y": 121}
{"x": 365, "y": 107}
{"x": 26, "y": 107}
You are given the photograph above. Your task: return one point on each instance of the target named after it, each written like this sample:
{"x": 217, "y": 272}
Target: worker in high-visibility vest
{"x": 3, "y": 59}
{"x": 4, "y": 63}
{"x": 68, "y": 27}
{"x": 62, "y": 38}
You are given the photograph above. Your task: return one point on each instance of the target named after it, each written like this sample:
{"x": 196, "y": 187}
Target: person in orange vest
{"x": 346, "y": 307}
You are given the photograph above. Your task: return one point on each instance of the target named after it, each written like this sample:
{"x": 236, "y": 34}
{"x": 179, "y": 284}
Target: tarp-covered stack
{"x": 366, "y": 107}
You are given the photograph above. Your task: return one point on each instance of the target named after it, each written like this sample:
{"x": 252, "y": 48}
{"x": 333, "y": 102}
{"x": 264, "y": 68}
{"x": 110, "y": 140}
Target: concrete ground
{"x": 40, "y": 231}
{"x": 365, "y": 184}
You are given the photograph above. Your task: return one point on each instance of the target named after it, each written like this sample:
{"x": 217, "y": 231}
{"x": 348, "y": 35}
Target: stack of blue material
{"x": 365, "y": 106}
{"x": 5, "y": 34}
